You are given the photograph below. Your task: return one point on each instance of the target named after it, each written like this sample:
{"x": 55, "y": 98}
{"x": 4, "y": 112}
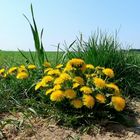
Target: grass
{"x": 11, "y": 58}
{"x": 104, "y": 50}
{"x": 17, "y": 95}
{"x": 21, "y": 97}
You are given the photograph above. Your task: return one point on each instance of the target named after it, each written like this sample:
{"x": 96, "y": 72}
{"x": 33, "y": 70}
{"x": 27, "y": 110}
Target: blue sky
{"x": 63, "y": 20}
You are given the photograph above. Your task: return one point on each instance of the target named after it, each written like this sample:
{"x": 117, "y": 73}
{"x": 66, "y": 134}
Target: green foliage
{"x": 104, "y": 50}
{"x": 12, "y": 90}
{"x": 40, "y": 55}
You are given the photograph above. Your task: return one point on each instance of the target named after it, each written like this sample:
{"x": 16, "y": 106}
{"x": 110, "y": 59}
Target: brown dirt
{"x": 46, "y": 129}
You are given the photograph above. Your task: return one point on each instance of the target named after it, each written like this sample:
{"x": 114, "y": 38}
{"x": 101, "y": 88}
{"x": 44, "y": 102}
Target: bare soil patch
{"x": 35, "y": 128}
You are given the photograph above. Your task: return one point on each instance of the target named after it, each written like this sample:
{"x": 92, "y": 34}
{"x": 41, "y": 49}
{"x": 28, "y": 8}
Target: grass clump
{"x": 104, "y": 50}
{"x": 83, "y": 89}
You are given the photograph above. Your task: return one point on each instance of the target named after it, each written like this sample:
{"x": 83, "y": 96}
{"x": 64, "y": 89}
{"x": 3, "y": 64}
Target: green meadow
{"x": 13, "y": 58}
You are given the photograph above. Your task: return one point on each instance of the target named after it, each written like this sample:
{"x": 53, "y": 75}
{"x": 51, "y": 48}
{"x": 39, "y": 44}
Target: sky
{"x": 63, "y": 20}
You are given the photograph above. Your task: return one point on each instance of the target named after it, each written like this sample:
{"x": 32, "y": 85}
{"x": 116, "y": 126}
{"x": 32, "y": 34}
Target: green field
{"x": 11, "y": 58}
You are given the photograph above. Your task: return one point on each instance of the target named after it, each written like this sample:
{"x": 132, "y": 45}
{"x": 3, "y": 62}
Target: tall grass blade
{"x": 26, "y": 58}
{"x": 40, "y": 52}
{"x": 32, "y": 57}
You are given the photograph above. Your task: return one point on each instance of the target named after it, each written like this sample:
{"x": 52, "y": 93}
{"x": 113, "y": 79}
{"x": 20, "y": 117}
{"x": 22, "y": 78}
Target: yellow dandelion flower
{"x": 108, "y": 72}
{"x": 22, "y": 75}
{"x": 70, "y": 94}
{"x": 46, "y": 64}
{"x": 62, "y": 78}
{"x": 44, "y": 84}
{"x": 75, "y": 85}
{"x": 68, "y": 68}
{"x": 12, "y": 70}
{"x": 59, "y": 66}
{"x": 118, "y": 103}
{"x": 56, "y": 87}
{"x": 31, "y": 67}
{"x": 86, "y": 90}
{"x": 89, "y": 66}
{"x": 65, "y": 76}
{"x": 76, "y": 63}
{"x": 88, "y": 101}
{"x": 39, "y": 85}
{"x": 78, "y": 80}
{"x": 77, "y": 103}
{"x": 99, "y": 83}
{"x": 57, "y": 95}
{"x": 47, "y": 79}
{"x": 22, "y": 68}
{"x": 48, "y": 69}
{"x": 4, "y": 75}
{"x": 115, "y": 87}
{"x": 100, "y": 98}
{"x": 2, "y": 71}
{"x": 49, "y": 91}
{"x": 55, "y": 72}
{"x": 58, "y": 81}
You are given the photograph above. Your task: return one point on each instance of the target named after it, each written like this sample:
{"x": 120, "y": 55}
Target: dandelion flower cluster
{"x": 79, "y": 84}
{"x": 82, "y": 85}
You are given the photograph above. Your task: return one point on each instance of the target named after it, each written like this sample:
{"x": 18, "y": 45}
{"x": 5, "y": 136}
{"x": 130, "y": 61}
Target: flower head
{"x": 56, "y": 87}
{"x": 70, "y": 94}
{"x": 86, "y": 90}
{"x": 75, "y": 85}
{"x": 118, "y": 103}
{"x": 99, "y": 83}
{"x": 88, "y": 101}
{"x": 76, "y": 64}
{"x": 31, "y": 67}
{"x": 115, "y": 87}
{"x": 100, "y": 98}
{"x": 65, "y": 76}
{"x": 77, "y": 103}
{"x": 78, "y": 80}
{"x": 46, "y": 64}
{"x": 47, "y": 69}
{"x": 2, "y": 71}
{"x": 47, "y": 79}
{"x": 22, "y": 68}
{"x": 58, "y": 81}
{"x": 108, "y": 72}
{"x": 22, "y": 75}
{"x": 38, "y": 85}
{"x": 59, "y": 66}
{"x": 62, "y": 78}
{"x": 57, "y": 96}
{"x": 89, "y": 66}
{"x": 12, "y": 70}
{"x": 54, "y": 72}
{"x": 49, "y": 91}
